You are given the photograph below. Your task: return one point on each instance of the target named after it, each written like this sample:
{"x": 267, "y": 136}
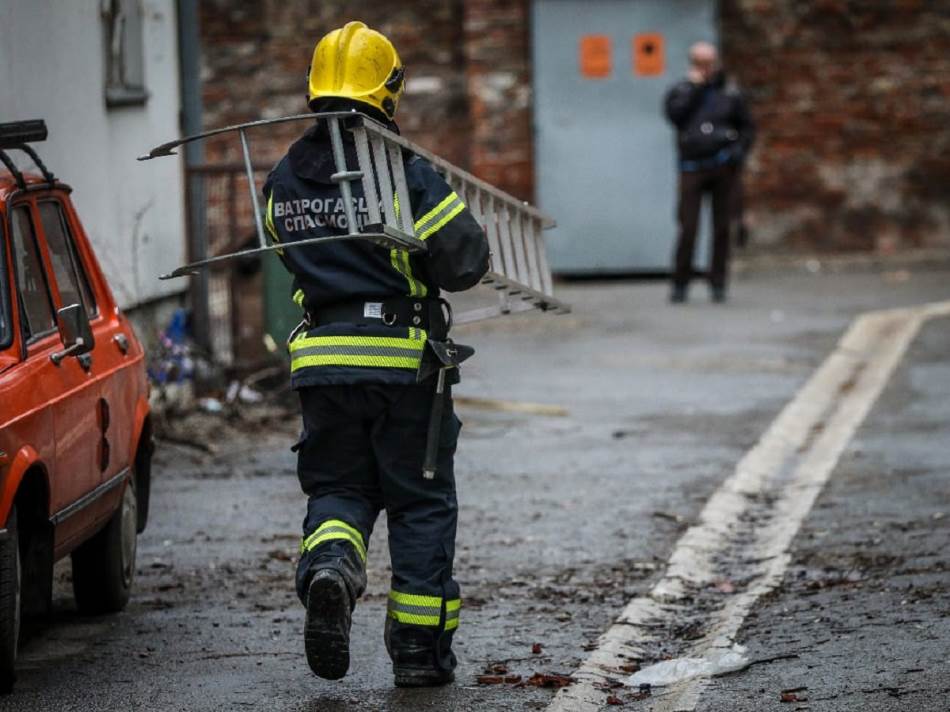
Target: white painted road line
{"x": 746, "y": 528}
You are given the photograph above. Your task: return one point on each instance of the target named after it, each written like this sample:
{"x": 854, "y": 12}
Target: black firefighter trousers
{"x": 362, "y": 451}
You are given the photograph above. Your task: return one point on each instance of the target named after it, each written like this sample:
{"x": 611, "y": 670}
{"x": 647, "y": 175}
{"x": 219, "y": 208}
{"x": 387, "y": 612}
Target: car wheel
{"x": 11, "y": 573}
{"x": 103, "y": 567}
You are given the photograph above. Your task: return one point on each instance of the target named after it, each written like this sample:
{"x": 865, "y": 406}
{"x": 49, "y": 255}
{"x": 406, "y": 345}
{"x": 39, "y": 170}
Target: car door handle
{"x": 122, "y": 341}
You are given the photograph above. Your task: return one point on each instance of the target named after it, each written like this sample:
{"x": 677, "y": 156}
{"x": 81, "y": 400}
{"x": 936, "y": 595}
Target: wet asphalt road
{"x": 563, "y": 520}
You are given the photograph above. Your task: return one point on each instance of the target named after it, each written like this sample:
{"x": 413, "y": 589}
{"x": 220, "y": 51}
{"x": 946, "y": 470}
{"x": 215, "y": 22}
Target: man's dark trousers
{"x": 362, "y": 450}
{"x": 719, "y": 182}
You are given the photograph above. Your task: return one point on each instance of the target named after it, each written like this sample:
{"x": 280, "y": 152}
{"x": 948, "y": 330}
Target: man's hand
{"x": 696, "y": 75}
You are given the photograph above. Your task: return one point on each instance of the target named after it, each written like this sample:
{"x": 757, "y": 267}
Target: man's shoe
{"x": 326, "y": 632}
{"x": 407, "y": 676}
{"x": 678, "y": 294}
{"x": 719, "y": 294}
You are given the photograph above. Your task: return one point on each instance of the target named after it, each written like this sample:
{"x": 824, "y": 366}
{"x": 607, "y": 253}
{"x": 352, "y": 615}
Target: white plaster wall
{"x": 52, "y": 66}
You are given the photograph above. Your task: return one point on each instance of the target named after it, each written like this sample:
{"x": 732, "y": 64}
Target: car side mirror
{"x": 75, "y": 332}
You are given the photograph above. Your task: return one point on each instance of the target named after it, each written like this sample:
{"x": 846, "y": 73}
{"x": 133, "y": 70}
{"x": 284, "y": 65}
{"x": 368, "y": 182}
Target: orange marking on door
{"x": 648, "y": 54}
{"x": 595, "y": 59}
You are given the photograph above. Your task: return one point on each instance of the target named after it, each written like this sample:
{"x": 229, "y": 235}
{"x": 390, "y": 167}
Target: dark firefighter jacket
{"x": 712, "y": 123}
{"x": 302, "y": 202}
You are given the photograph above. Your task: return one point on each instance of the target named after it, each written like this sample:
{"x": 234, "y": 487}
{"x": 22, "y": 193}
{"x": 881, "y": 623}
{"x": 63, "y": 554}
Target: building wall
{"x": 852, "y": 100}
{"x": 52, "y": 66}
{"x": 255, "y": 58}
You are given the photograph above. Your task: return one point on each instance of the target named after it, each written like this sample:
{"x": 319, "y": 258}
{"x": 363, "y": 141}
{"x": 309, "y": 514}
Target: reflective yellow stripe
{"x": 314, "y": 542}
{"x": 439, "y": 225}
{"x": 414, "y": 609}
{"x": 298, "y": 298}
{"x": 302, "y": 342}
{"x": 400, "y": 262}
{"x": 412, "y": 599}
{"x": 436, "y": 210}
{"x": 350, "y": 360}
{"x": 269, "y": 221}
{"x": 334, "y": 529}
{"x": 414, "y": 619}
{"x": 366, "y": 351}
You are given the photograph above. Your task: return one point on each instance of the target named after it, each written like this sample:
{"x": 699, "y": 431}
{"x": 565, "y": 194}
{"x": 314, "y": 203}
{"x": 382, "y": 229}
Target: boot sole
{"x": 407, "y": 677}
{"x": 326, "y": 631}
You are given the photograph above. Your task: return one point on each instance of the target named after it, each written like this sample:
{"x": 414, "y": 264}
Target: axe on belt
{"x": 441, "y": 357}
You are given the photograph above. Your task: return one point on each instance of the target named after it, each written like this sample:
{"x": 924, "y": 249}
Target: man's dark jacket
{"x": 712, "y": 122}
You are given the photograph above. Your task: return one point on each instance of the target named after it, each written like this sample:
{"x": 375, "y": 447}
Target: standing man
{"x": 714, "y": 133}
{"x": 369, "y": 312}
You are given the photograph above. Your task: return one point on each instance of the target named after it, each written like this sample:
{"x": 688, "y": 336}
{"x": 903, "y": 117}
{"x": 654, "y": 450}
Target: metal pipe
{"x": 339, "y": 160}
{"x": 189, "y": 61}
{"x": 253, "y": 188}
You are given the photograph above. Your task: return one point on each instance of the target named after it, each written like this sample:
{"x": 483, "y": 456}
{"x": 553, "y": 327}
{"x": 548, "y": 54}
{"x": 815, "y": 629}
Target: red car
{"x": 75, "y": 433}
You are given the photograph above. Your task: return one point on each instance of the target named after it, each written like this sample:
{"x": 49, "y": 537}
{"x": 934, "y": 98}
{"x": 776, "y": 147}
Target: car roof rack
{"x": 19, "y": 135}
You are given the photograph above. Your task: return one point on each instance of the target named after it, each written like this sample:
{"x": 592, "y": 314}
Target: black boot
{"x": 327, "y": 630}
{"x": 418, "y": 658}
{"x": 678, "y": 294}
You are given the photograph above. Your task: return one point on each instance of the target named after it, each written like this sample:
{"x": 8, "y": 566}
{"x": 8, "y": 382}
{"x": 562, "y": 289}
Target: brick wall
{"x": 498, "y": 64}
{"x": 255, "y": 58}
{"x": 852, "y": 99}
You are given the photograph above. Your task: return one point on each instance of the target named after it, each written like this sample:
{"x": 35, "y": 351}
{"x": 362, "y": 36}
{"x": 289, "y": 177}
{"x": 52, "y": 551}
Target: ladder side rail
{"x": 402, "y": 189}
{"x": 342, "y": 177}
{"x": 365, "y": 161}
{"x": 252, "y": 187}
{"x": 543, "y": 301}
{"x": 481, "y": 313}
{"x": 384, "y": 239}
{"x": 385, "y": 182}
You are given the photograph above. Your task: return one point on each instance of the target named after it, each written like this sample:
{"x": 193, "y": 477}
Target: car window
{"x": 70, "y": 275}
{"x": 6, "y": 319}
{"x": 36, "y": 305}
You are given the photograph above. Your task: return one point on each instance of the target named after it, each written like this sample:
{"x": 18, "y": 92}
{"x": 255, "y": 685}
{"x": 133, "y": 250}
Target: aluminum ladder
{"x": 519, "y": 270}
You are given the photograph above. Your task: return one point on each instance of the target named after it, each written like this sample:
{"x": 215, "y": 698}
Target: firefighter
{"x": 369, "y": 313}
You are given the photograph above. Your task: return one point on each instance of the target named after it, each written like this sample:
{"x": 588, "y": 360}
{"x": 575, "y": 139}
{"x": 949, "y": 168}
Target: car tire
{"x": 11, "y": 573}
{"x": 103, "y": 567}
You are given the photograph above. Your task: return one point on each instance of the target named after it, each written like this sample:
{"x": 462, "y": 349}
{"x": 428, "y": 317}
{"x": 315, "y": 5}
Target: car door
{"x": 68, "y": 388}
{"x": 109, "y": 357}
{"x": 114, "y": 355}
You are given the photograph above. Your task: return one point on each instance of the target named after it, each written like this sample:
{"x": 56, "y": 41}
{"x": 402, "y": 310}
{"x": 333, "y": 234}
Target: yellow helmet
{"x": 355, "y": 62}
